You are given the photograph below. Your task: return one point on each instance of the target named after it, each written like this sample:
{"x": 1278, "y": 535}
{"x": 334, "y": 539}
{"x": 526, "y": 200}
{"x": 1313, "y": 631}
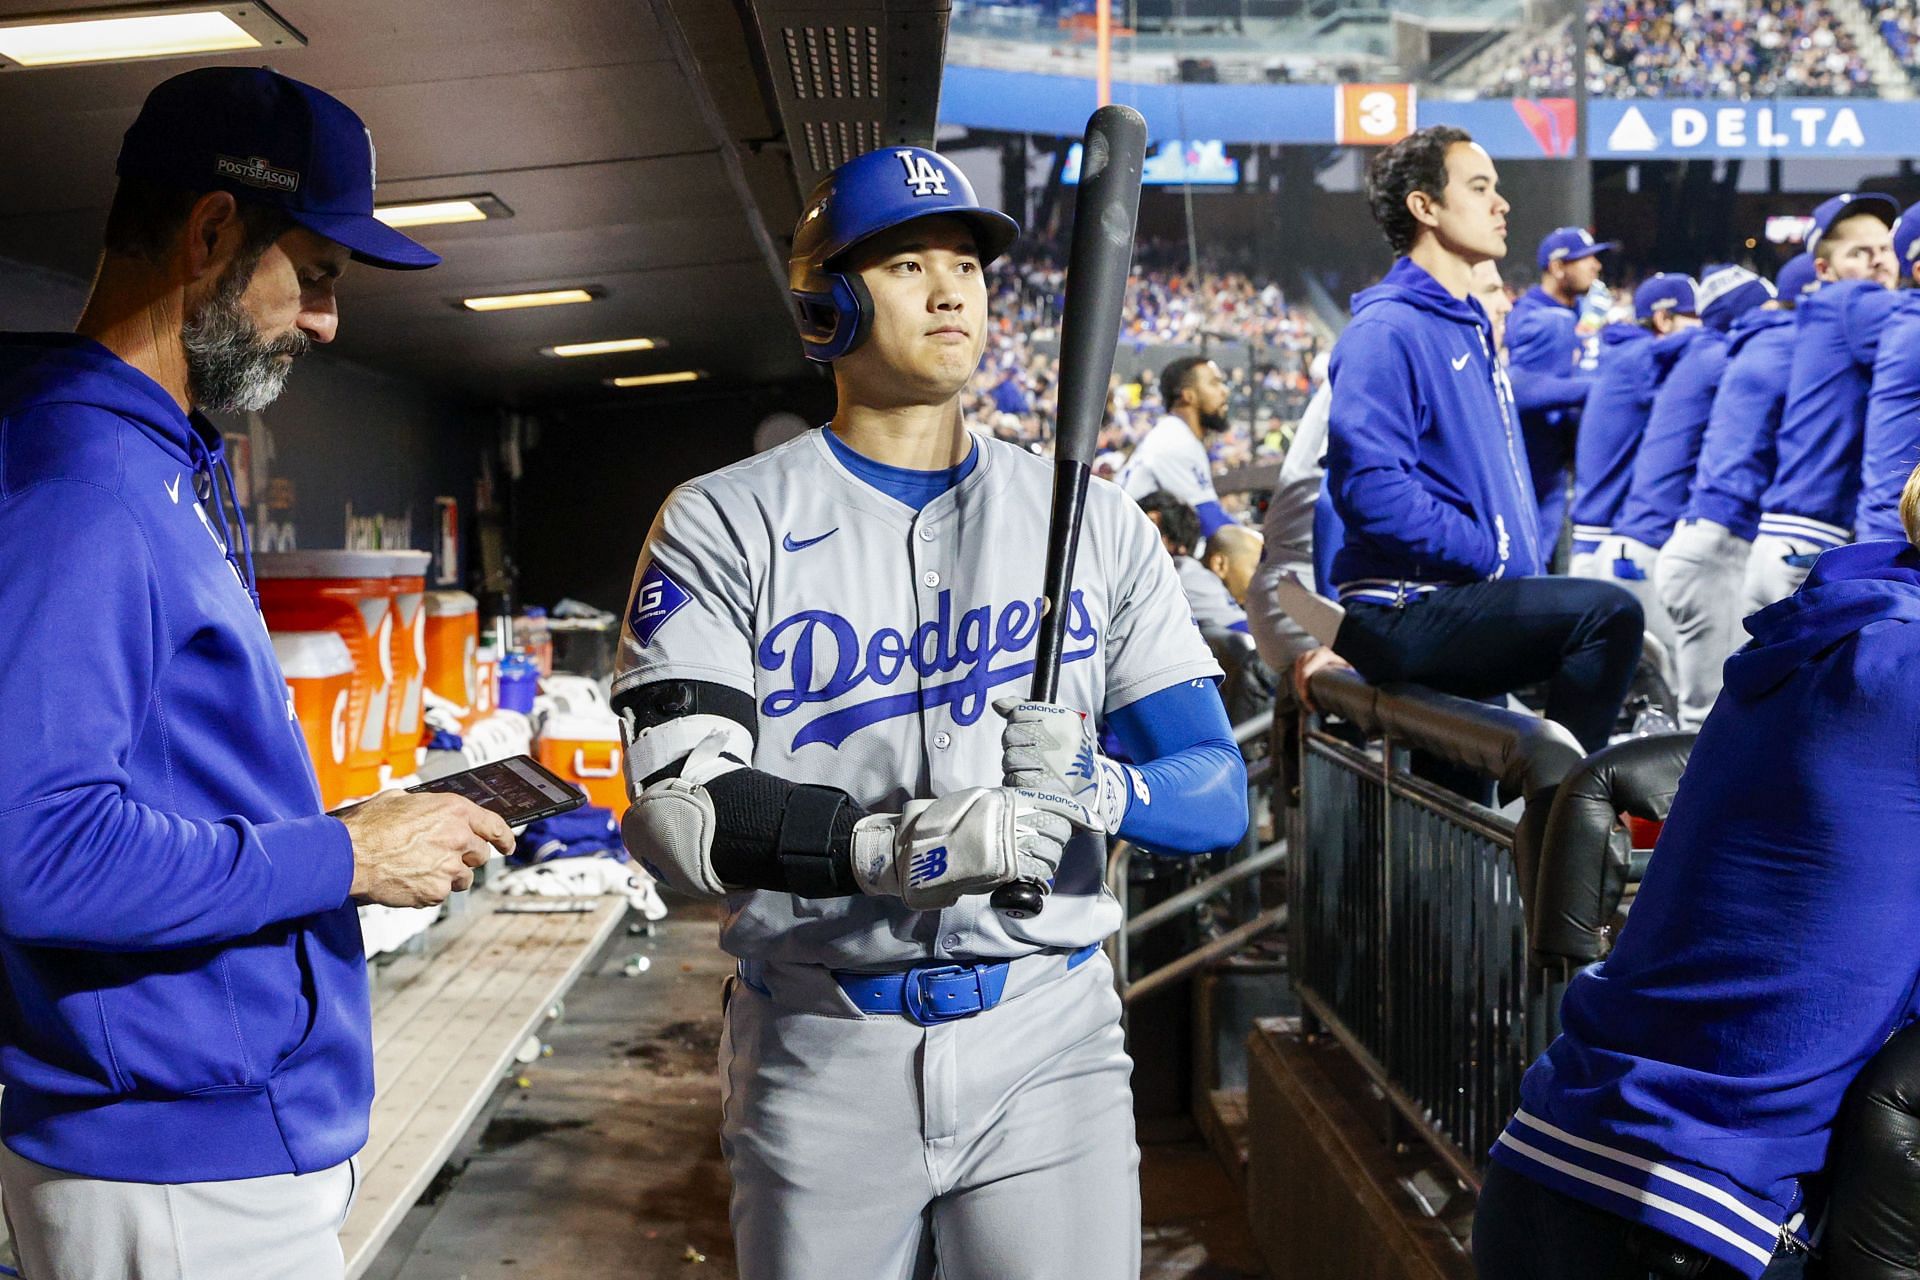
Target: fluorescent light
{"x": 656, "y": 379}
{"x": 512, "y": 301}
{"x": 430, "y": 215}
{"x": 145, "y": 31}
{"x": 569, "y": 350}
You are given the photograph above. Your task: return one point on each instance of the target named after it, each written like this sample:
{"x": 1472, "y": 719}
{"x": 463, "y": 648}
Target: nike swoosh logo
{"x": 173, "y": 490}
{"x": 1461, "y": 363}
{"x": 804, "y": 543}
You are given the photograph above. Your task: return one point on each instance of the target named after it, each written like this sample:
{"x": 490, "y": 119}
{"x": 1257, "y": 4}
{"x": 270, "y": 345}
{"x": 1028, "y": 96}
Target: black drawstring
{"x": 226, "y": 510}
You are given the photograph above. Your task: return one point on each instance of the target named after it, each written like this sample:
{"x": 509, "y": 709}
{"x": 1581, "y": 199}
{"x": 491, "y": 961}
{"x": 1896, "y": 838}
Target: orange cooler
{"x": 486, "y": 685}
{"x": 319, "y": 673}
{"x": 351, "y": 594}
{"x": 453, "y": 646}
{"x": 584, "y": 748}
{"x": 408, "y": 586}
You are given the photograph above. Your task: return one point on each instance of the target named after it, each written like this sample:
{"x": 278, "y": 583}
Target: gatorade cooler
{"x": 408, "y": 586}
{"x": 453, "y": 645}
{"x": 584, "y": 748}
{"x": 351, "y": 594}
{"x": 319, "y": 673}
{"x": 486, "y": 685}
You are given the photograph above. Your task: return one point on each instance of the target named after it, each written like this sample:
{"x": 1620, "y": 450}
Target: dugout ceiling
{"x": 641, "y": 144}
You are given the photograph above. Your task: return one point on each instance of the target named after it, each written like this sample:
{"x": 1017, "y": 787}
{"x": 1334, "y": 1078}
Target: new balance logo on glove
{"x": 927, "y": 866}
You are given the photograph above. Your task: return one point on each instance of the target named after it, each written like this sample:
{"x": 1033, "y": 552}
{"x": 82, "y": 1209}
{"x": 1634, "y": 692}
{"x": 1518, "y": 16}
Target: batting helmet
{"x": 863, "y": 197}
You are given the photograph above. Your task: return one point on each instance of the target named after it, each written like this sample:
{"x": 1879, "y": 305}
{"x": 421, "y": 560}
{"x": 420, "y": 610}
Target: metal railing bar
{"x": 1224, "y": 945}
{"x": 1410, "y": 1110}
{"x": 1161, "y": 912}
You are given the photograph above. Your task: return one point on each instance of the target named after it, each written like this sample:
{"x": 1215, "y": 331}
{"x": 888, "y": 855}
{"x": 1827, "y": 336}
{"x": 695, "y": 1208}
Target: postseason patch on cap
{"x": 256, "y": 172}
{"x": 656, "y": 598}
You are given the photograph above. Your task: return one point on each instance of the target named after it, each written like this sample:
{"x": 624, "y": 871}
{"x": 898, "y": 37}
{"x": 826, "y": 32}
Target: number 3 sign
{"x": 1373, "y": 115}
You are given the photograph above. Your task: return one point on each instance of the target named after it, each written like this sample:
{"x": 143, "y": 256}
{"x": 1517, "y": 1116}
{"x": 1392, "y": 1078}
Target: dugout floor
{"x": 605, "y": 1164}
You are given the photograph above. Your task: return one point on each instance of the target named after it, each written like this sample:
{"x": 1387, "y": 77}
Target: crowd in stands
{"x": 1221, "y": 305}
{"x": 1706, "y": 48}
{"x": 1899, "y": 25}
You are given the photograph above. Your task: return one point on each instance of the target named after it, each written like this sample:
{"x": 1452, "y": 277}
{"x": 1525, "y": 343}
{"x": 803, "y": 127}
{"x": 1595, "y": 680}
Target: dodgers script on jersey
{"x": 874, "y": 640}
{"x": 1170, "y": 457}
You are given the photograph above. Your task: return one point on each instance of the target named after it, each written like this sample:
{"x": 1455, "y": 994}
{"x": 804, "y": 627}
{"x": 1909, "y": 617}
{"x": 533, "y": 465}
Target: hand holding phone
{"x": 519, "y": 789}
{"x": 414, "y": 850}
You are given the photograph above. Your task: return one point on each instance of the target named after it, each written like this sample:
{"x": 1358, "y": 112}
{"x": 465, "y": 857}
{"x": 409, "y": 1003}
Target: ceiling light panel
{"x": 432, "y": 213}
{"x": 656, "y": 379}
{"x": 134, "y": 32}
{"x": 516, "y": 301}
{"x": 573, "y": 350}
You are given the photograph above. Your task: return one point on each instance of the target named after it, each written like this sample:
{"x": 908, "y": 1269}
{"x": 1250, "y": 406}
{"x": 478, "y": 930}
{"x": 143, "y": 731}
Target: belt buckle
{"x": 917, "y": 996}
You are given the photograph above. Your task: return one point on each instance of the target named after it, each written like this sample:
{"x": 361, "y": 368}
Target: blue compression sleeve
{"x": 1196, "y": 781}
{"x": 1212, "y": 516}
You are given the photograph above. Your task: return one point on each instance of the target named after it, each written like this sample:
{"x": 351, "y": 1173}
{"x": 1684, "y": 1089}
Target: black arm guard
{"x": 791, "y": 838}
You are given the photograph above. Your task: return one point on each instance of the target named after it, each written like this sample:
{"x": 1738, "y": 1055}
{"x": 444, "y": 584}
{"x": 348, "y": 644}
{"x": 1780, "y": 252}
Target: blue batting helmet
{"x": 863, "y": 197}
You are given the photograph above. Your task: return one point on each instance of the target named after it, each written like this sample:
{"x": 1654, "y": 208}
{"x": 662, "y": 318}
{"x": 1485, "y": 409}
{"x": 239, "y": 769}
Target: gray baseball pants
{"x": 994, "y": 1146}
{"x": 1699, "y": 577}
{"x": 1769, "y": 577}
{"x": 282, "y": 1227}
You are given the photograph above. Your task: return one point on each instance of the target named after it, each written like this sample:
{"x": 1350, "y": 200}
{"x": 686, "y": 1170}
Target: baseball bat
{"x": 1104, "y": 209}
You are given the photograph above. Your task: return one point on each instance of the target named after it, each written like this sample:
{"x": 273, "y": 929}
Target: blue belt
{"x": 930, "y": 994}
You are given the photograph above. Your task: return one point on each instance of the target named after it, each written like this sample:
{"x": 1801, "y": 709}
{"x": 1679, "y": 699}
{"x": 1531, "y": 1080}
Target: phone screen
{"x": 517, "y": 789}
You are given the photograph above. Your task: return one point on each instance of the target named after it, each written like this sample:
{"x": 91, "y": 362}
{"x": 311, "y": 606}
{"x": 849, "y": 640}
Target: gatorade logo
{"x": 927, "y": 866}
{"x": 923, "y": 175}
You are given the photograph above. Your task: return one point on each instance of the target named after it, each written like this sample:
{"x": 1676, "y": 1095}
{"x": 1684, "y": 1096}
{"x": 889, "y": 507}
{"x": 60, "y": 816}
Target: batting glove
{"x": 933, "y": 852}
{"x": 1051, "y": 749}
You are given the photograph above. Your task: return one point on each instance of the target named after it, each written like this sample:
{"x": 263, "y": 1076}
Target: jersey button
{"x": 931, "y": 578}
{"x": 926, "y": 534}
{"x": 952, "y": 941}
{"x": 942, "y": 740}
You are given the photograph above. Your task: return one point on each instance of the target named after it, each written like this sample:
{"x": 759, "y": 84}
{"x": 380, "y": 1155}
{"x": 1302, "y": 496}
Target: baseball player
{"x": 1543, "y": 359}
{"x": 1635, "y": 359}
{"x": 1699, "y": 572}
{"x": 1669, "y": 452}
{"x": 1213, "y": 605}
{"x": 1810, "y": 505}
{"x": 820, "y": 681}
{"x": 1172, "y": 457}
{"x": 1891, "y": 438}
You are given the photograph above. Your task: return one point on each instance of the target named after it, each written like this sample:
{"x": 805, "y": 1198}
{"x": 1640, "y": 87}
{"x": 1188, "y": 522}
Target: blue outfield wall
{"x": 1510, "y": 128}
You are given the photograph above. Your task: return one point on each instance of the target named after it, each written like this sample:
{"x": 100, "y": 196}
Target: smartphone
{"x": 518, "y": 788}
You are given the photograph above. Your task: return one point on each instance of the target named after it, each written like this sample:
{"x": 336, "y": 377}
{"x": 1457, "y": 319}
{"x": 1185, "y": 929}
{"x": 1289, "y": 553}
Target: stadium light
{"x": 656, "y": 379}
{"x": 431, "y": 213}
{"x": 516, "y": 301}
{"x": 129, "y": 33}
{"x": 573, "y": 350}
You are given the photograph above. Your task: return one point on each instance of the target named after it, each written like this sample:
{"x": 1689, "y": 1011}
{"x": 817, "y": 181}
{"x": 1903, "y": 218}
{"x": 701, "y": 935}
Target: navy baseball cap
{"x": 1906, "y": 238}
{"x": 1796, "y": 279}
{"x": 270, "y": 140}
{"x": 1828, "y": 212}
{"x": 1665, "y": 291}
{"x": 1727, "y": 293}
{"x": 1569, "y": 244}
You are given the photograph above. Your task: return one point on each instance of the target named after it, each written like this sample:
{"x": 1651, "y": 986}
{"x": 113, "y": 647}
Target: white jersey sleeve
{"x": 1171, "y": 458}
{"x": 690, "y": 612}
{"x": 1152, "y": 642}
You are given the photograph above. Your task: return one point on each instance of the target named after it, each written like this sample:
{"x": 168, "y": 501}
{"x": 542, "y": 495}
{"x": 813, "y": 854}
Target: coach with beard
{"x": 185, "y": 1040}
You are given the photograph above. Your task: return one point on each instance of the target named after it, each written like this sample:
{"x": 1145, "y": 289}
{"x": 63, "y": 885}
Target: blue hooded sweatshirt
{"x": 1816, "y": 483}
{"x": 1737, "y": 454}
{"x": 1633, "y": 365}
{"x": 1669, "y": 451}
{"x": 1543, "y": 360}
{"x": 1891, "y": 446}
{"x": 1424, "y": 460}
{"x": 1770, "y": 951}
{"x": 185, "y": 992}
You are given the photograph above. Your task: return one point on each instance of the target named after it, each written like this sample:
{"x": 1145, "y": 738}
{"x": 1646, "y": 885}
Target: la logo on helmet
{"x": 923, "y": 175}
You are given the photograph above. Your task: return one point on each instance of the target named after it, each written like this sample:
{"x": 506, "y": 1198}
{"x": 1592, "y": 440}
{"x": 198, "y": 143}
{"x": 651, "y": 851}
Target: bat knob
{"x": 1022, "y": 899}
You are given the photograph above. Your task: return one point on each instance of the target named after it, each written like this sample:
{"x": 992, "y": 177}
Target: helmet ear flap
{"x": 835, "y": 320}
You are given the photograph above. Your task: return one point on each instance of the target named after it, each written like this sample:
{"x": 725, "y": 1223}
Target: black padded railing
{"x": 1413, "y": 908}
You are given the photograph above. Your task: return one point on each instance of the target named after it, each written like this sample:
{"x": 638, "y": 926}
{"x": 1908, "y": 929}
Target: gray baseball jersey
{"x": 1208, "y": 599}
{"x": 1171, "y": 458}
{"x": 874, "y": 639}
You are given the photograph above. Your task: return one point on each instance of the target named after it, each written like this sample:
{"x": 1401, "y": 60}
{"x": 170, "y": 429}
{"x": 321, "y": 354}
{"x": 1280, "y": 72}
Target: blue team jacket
{"x": 1816, "y": 482}
{"x": 1633, "y": 364}
{"x": 1770, "y": 952}
{"x": 1664, "y": 465}
{"x": 1543, "y": 361}
{"x": 185, "y": 992}
{"x": 1424, "y": 460}
{"x": 1737, "y": 454}
{"x": 1891, "y": 446}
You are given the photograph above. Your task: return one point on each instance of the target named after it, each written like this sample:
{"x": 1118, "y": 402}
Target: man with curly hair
{"x": 1440, "y": 567}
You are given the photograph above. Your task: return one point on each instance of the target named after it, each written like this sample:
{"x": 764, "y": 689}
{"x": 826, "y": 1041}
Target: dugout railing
{"x": 1432, "y": 936}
